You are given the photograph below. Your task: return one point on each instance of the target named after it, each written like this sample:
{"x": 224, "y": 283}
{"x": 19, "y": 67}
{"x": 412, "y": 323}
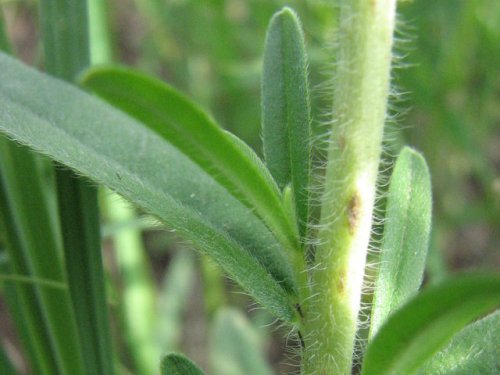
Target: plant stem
{"x": 138, "y": 294}
{"x": 360, "y": 100}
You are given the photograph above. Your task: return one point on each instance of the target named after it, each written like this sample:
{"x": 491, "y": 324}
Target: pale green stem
{"x": 101, "y": 51}
{"x": 360, "y": 100}
{"x": 138, "y": 289}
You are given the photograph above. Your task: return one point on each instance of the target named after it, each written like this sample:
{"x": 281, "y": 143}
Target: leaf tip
{"x": 177, "y": 364}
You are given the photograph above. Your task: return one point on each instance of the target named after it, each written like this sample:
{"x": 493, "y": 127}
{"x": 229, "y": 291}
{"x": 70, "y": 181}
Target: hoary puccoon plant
{"x": 293, "y": 234}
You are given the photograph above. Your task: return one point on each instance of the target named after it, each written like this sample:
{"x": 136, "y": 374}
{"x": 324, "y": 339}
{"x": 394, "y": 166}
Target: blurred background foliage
{"x": 446, "y": 104}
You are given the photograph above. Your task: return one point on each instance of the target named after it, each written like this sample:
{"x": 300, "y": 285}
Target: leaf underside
{"x": 473, "y": 351}
{"x": 175, "y": 118}
{"x": 285, "y": 109}
{"x": 406, "y": 236}
{"x": 426, "y": 323}
{"x": 110, "y": 148}
{"x": 177, "y": 364}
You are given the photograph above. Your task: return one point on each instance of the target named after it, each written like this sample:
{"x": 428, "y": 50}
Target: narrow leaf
{"x": 34, "y": 250}
{"x": 426, "y": 323}
{"x": 28, "y": 328}
{"x": 80, "y": 225}
{"x": 64, "y": 28}
{"x": 406, "y": 237}
{"x": 235, "y": 346}
{"x": 177, "y": 364}
{"x": 4, "y": 40}
{"x": 111, "y": 148}
{"x": 473, "y": 351}
{"x": 285, "y": 109}
{"x": 22, "y": 301}
{"x": 65, "y": 37}
{"x": 179, "y": 121}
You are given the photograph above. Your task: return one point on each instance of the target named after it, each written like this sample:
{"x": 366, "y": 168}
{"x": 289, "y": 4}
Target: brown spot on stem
{"x": 341, "y": 282}
{"x": 353, "y": 212}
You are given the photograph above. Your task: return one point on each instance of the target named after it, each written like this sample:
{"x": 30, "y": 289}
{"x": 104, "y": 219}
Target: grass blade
{"x": 16, "y": 298}
{"x": 426, "y": 323}
{"x": 235, "y": 346}
{"x": 80, "y": 225}
{"x": 4, "y": 40}
{"x": 137, "y": 304}
{"x": 180, "y": 195}
{"x": 474, "y": 350}
{"x": 285, "y": 109}
{"x": 65, "y": 35}
{"x": 406, "y": 237}
{"x": 34, "y": 251}
{"x": 22, "y": 300}
{"x": 177, "y": 364}
{"x": 179, "y": 121}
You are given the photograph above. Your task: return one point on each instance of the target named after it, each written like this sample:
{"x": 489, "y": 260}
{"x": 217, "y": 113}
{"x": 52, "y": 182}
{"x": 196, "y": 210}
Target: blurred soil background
{"x": 447, "y": 105}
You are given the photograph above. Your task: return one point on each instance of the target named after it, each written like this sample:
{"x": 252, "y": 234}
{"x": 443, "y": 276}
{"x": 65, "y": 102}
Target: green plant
{"x": 255, "y": 220}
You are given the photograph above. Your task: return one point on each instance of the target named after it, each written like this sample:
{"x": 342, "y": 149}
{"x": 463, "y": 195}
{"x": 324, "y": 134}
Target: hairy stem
{"x": 360, "y": 100}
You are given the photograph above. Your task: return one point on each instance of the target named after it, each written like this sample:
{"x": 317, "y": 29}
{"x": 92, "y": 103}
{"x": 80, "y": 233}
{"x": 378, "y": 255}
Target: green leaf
{"x": 21, "y": 299}
{"x": 64, "y": 29}
{"x": 426, "y": 323}
{"x": 65, "y": 37}
{"x": 180, "y": 122}
{"x": 4, "y": 40}
{"x": 473, "y": 351}
{"x": 29, "y": 328}
{"x": 177, "y": 364}
{"x": 110, "y": 148}
{"x": 34, "y": 251}
{"x": 406, "y": 236}
{"x": 285, "y": 109}
{"x": 236, "y": 346}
